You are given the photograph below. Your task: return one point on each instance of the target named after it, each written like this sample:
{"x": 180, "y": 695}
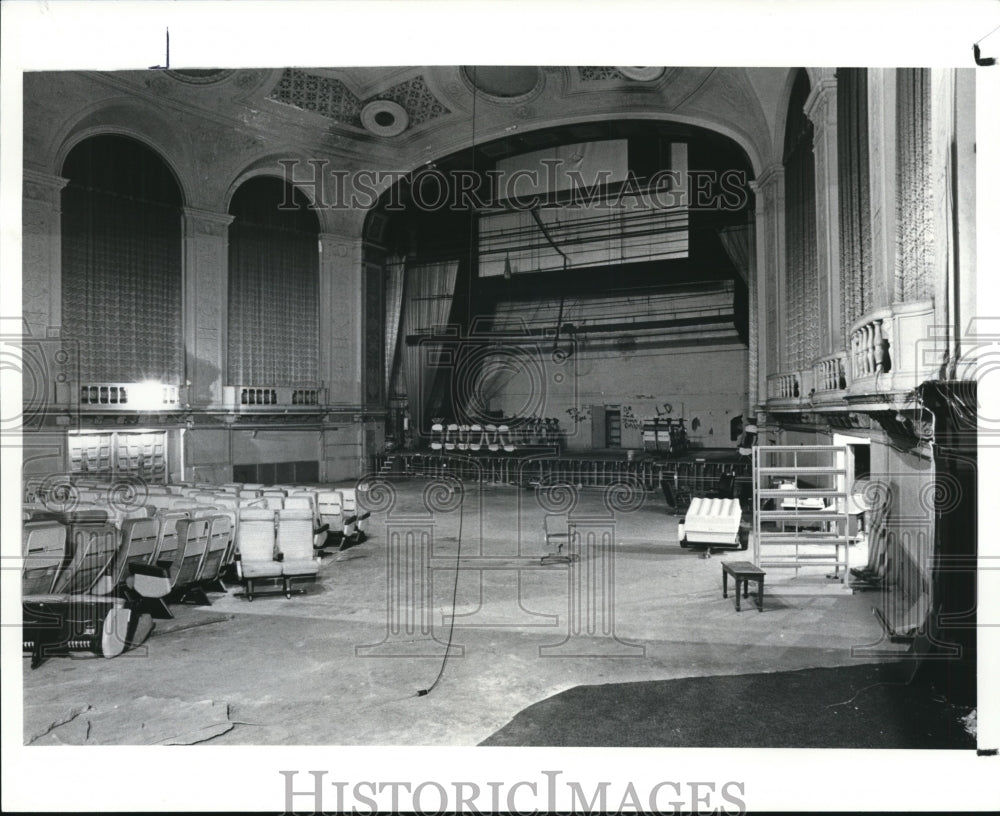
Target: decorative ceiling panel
{"x": 591, "y": 73}
{"x": 331, "y": 98}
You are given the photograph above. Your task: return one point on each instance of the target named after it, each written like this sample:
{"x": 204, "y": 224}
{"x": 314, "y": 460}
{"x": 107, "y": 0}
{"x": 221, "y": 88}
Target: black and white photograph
{"x": 399, "y": 426}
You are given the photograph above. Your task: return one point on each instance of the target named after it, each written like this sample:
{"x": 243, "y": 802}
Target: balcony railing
{"x": 129, "y": 396}
{"x": 243, "y": 397}
{"x": 869, "y": 344}
{"x": 889, "y": 351}
{"x": 830, "y": 373}
{"x": 784, "y": 386}
{"x": 898, "y": 343}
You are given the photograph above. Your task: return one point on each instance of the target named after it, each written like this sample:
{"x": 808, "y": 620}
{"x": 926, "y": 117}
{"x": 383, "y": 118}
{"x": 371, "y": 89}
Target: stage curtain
{"x": 429, "y": 292}
{"x": 736, "y": 241}
{"x": 914, "y": 215}
{"x": 395, "y": 269}
{"x": 854, "y": 183}
{"x": 273, "y": 288}
{"x": 122, "y": 290}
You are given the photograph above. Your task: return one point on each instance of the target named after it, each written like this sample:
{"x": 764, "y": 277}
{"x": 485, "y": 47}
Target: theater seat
{"x": 220, "y": 537}
{"x": 295, "y": 544}
{"x": 714, "y": 522}
{"x": 192, "y": 534}
{"x": 256, "y": 546}
{"x": 361, "y": 517}
{"x": 81, "y": 614}
{"x": 331, "y": 511}
{"x": 139, "y": 539}
{"x": 44, "y": 551}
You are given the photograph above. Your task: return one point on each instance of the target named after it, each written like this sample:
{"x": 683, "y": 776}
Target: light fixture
{"x": 146, "y": 396}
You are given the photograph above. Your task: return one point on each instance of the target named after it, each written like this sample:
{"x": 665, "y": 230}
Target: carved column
{"x": 753, "y": 329}
{"x": 41, "y": 283}
{"x": 206, "y": 266}
{"x": 882, "y": 172}
{"x": 769, "y": 189}
{"x": 821, "y": 108}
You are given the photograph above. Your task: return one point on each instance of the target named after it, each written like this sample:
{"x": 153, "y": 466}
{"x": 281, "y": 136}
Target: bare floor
{"x": 342, "y": 664}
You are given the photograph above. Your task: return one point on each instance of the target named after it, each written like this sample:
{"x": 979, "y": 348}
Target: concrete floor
{"x": 324, "y": 668}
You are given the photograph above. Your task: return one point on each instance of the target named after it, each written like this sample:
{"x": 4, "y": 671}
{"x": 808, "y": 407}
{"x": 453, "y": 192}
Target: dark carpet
{"x": 863, "y": 706}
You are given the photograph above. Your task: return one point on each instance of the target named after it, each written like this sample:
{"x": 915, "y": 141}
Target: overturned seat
{"x": 712, "y": 522}
{"x": 80, "y": 613}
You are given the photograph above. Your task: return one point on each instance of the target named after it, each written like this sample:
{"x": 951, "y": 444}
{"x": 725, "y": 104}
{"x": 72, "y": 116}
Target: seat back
{"x": 437, "y": 436}
{"x": 194, "y": 535}
{"x": 139, "y": 540}
{"x": 249, "y": 493}
{"x": 476, "y": 437}
{"x": 93, "y": 550}
{"x": 331, "y": 509}
{"x": 255, "y": 539}
{"x": 44, "y": 550}
{"x": 161, "y": 501}
{"x": 295, "y": 534}
{"x": 220, "y": 538}
{"x": 299, "y": 502}
{"x": 349, "y": 498}
{"x": 169, "y": 546}
{"x": 275, "y": 501}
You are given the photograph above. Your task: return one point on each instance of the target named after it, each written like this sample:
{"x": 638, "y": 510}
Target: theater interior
{"x": 438, "y": 405}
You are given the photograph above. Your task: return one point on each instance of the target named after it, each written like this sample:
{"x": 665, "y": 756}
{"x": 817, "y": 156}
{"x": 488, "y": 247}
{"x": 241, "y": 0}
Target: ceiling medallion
{"x": 508, "y": 84}
{"x": 641, "y": 73}
{"x": 200, "y": 76}
{"x": 384, "y": 117}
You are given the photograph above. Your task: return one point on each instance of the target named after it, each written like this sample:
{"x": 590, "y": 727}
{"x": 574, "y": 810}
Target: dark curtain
{"x": 122, "y": 288}
{"x": 801, "y": 340}
{"x": 273, "y": 287}
{"x": 854, "y": 191}
{"x": 429, "y": 293}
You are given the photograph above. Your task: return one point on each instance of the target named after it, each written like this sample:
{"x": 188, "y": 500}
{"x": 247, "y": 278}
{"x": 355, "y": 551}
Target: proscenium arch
{"x": 814, "y": 75}
{"x": 740, "y": 140}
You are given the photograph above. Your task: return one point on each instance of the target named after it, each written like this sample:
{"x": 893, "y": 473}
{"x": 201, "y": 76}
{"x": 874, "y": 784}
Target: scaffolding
{"x": 800, "y": 508}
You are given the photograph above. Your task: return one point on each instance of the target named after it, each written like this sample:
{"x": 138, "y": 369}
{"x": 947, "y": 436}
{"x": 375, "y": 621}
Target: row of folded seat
{"x": 94, "y": 576}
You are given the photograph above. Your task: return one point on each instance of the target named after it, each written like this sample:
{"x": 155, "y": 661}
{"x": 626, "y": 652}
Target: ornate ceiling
{"x": 221, "y": 125}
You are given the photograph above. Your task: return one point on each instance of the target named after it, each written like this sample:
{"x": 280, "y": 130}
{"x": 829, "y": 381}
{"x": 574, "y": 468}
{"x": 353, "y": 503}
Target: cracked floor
{"x": 343, "y": 663}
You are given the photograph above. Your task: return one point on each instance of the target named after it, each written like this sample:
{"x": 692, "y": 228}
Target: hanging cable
{"x": 454, "y": 594}
{"x": 461, "y": 507}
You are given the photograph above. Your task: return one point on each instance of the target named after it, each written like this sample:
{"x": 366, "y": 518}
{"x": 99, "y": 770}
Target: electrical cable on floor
{"x": 454, "y": 596}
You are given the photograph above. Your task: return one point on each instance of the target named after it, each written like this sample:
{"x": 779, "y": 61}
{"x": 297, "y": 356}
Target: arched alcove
{"x": 122, "y": 281}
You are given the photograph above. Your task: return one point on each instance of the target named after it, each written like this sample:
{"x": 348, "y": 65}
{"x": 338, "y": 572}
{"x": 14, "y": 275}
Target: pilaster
{"x": 769, "y": 190}
{"x": 206, "y": 263}
{"x": 882, "y": 172}
{"x": 41, "y": 261}
{"x": 821, "y": 108}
